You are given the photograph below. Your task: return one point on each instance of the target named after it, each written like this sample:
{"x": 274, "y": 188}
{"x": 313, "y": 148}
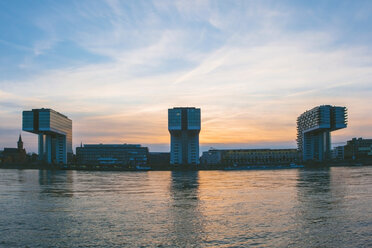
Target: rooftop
{"x": 51, "y": 110}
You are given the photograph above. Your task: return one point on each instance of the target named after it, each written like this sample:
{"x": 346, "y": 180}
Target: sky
{"x": 115, "y": 67}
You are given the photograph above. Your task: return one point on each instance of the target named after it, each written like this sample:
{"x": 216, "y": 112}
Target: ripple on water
{"x": 279, "y": 208}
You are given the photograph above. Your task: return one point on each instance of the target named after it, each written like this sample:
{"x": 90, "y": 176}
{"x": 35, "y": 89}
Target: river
{"x": 257, "y": 208}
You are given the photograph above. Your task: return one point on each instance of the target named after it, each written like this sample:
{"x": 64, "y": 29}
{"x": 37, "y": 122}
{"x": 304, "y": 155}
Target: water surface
{"x": 270, "y": 208}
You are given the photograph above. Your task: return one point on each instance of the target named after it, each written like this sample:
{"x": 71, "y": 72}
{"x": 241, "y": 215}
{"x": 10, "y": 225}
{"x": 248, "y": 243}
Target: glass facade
{"x": 55, "y": 133}
{"x": 193, "y": 120}
{"x": 28, "y": 121}
{"x": 174, "y": 119}
{"x": 313, "y": 130}
{"x": 184, "y": 126}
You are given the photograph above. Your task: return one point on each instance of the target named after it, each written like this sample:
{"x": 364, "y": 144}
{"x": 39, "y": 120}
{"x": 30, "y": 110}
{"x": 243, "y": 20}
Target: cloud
{"x": 247, "y": 67}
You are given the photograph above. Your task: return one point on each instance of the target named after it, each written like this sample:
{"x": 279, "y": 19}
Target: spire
{"x": 20, "y": 142}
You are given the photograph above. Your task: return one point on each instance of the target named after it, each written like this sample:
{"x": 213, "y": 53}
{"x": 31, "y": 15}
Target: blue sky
{"x": 114, "y": 67}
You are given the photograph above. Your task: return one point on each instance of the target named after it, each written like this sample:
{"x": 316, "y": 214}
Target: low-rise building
{"x": 112, "y": 154}
{"x": 358, "y": 149}
{"x": 211, "y": 157}
{"x": 159, "y": 158}
{"x": 14, "y": 155}
{"x": 338, "y": 152}
{"x": 243, "y": 157}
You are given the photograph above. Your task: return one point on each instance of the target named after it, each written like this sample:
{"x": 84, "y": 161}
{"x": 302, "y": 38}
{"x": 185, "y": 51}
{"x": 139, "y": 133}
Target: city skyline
{"x": 205, "y": 148}
{"x": 252, "y": 67}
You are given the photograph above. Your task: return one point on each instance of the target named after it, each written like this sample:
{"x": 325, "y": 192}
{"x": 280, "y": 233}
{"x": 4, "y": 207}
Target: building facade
{"x": 211, "y": 157}
{"x": 338, "y": 153}
{"x": 246, "y": 157}
{"x": 184, "y": 127}
{"x": 314, "y": 128}
{"x": 358, "y": 149}
{"x": 112, "y": 154}
{"x": 159, "y": 159}
{"x": 55, "y": 134}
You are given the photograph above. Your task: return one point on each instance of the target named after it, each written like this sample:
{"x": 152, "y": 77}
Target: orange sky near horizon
{"x": 252, "y": 67}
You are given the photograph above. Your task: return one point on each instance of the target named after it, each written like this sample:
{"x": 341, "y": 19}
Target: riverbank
{"x": 39, "y": 166}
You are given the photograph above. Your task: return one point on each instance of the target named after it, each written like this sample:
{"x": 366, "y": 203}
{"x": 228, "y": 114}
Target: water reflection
{"x": 56, "y": 183}
{"x": 282, "y": 208}
{"x": 315, "y": 181}
{"x": 319, "y": 212}
{"x": 185, "y": 213}
{"x": 184, "y": 183}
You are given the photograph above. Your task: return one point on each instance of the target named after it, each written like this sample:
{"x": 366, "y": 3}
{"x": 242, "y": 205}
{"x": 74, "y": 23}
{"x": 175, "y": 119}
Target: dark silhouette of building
{"x": 243, "y": 157}
{"x": 15, "y": 155}
{"x": 112, "y": 154}
{"x": 358, "y": 149}
{"x": 338, "y": 153}
{"x": 159, "y": 160}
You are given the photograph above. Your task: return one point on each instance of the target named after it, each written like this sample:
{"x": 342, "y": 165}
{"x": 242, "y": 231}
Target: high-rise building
{"x": 313, "y": 131}
{"x": 55, "y": 134}
{"x": 184, "y": 128}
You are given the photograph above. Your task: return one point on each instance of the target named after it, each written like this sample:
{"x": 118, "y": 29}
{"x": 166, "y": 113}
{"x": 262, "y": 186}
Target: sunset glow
{"x": 115, "y": 68}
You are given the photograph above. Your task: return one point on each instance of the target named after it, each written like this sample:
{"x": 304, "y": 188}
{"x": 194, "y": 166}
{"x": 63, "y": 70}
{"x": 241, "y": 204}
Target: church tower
{"x": 20, "y": 143}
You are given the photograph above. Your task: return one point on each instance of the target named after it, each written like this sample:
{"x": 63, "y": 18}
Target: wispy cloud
{"x": 252, "y": 67}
